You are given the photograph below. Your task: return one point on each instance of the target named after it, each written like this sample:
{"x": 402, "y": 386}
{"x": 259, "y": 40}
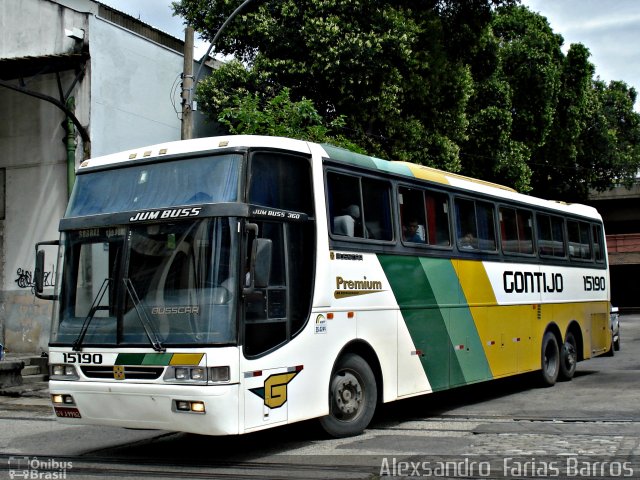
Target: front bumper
{"x": 152, "y": 406}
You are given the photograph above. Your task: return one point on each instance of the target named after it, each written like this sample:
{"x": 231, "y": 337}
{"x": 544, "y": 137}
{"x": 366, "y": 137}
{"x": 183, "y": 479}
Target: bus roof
{"x": 407, "y": 169}
{"x": 435, "y": 175}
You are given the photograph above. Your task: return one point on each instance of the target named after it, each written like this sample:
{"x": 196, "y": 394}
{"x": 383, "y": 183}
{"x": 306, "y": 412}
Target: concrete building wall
{"x": 32, "y": 28}
{"x": 123, "y": 100}
{"x": 33, "y": 156}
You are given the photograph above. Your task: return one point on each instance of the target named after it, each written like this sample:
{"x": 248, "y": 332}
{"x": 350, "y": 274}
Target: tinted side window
{"x": 424, "y": 217}
{"x": 598, "y": 243}
{"x": 475, "y": 225}
{"x": 550, "y": 236}
{"x": 359, "y": 207}
{"x": 516, "y": 230}
{"x": 579, "y": 242}
{"x": 281, "y": 181}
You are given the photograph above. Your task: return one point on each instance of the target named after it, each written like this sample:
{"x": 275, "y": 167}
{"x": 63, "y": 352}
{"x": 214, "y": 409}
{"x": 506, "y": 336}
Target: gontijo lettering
{"x": 532, "y": 282}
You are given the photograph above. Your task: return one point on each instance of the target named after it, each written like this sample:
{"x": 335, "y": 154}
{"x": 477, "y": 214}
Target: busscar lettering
{"x": 176, "y": 310}
{"x": 166, "y": 214}
{"x": 532, "y": 282}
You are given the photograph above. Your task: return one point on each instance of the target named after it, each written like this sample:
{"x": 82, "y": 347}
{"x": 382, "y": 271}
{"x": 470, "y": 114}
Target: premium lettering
{"x": 342, "y": 284}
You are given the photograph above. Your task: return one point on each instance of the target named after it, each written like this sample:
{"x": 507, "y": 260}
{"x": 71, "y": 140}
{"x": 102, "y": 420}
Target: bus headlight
{"x": 200, "y": 375}
{"x": 219, "y": 374}
{"x": 63, "y": 372}
{"x": 186, "y": 374}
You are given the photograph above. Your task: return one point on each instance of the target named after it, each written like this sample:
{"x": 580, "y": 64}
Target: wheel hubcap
{"x": 348, "y": 396}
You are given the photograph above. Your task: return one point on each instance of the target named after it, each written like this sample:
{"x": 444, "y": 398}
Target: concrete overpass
{"x": 620, "y": 209}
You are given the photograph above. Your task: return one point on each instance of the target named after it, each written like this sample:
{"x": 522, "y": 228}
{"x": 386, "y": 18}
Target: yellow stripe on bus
{"x": 186, "y": 359}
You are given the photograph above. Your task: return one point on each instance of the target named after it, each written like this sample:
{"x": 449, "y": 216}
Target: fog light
{"x": 182, "y": 374}
{"x": 189, "y": 406}
{"x": 62, "y": 399}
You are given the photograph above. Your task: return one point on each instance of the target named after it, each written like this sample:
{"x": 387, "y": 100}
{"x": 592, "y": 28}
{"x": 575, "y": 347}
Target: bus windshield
{"x": 163, "y": 284}
{"x": 191, "y": 181}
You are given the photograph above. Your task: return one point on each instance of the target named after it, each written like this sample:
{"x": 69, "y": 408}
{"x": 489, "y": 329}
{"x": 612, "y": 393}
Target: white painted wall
{"x": 131, "y": 81}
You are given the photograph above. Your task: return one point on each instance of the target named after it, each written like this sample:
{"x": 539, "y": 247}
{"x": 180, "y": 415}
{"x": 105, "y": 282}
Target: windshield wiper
{"x": 142, "y": 315}
{"x": 95, "y": 306}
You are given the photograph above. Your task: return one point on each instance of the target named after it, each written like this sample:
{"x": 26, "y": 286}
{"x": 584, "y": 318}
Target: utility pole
{"x": 187, "y": 86}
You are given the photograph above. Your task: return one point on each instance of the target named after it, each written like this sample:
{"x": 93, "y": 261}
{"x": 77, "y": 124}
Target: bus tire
{"x": 550, "y": 360}
{"x": 568, "y": 357}
{"x": 353, "y": 395}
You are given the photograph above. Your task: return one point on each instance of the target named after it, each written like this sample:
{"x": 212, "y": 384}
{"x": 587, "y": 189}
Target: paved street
{"x": 589, "y": 428}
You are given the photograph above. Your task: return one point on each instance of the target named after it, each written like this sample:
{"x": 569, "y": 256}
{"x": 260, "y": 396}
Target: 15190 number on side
{"x": 594, "y": 284}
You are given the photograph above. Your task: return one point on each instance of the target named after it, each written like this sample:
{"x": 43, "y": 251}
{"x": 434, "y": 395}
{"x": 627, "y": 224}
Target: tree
{"x": 385, "y": 66}
{"x": 480, "y": 87}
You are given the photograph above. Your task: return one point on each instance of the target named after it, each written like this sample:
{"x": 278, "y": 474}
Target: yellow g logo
{"x": 274, "y": 392}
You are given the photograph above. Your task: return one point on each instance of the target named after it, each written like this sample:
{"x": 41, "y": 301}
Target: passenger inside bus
{"x": 413, "y": 232}
{"x": 345, "y": 224}
{"x": 468, "y": 241}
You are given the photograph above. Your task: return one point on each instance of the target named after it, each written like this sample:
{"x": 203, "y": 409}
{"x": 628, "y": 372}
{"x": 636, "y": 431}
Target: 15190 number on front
{"x": 77, "y": 357}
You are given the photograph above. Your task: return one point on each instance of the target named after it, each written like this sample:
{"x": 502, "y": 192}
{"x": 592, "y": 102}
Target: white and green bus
{"x": 231, "y": 284}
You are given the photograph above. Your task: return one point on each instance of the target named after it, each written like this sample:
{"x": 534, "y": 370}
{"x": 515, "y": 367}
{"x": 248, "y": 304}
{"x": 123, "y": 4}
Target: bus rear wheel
{"x": 550, "y": 360}
{"x": 568, "y": 357}
{"x": 353, "y": 396}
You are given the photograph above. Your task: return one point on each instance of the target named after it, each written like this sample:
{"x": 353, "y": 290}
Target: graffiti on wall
{"x": 26, "y": 278}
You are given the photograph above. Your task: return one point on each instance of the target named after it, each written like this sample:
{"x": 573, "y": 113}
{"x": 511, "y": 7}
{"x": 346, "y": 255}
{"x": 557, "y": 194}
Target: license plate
{"x": 67, "y": 412}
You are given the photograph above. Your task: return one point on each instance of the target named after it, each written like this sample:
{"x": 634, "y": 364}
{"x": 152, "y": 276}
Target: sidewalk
{"x": 33, "y": 383}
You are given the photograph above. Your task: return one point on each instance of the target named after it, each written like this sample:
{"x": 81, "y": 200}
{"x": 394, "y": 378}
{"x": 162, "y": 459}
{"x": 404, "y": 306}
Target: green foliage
{"x": 279, "y": 116}
{"x": 480, "y": 87}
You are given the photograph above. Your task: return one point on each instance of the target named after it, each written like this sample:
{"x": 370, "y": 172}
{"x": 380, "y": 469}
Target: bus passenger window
{"x": 597, "y": 243}
{"x": 516, "y": 230}
{"x": 359, "y": 207}
{"x": 550, "y": 235}
{"x": 475, "y": 225}
{"x": 437, "y": 231}
{"x": 579, "y": 243}
{"x": 424, "y": 216}
{"x": 412, "y": 215}
{"x": 376, "y": 198}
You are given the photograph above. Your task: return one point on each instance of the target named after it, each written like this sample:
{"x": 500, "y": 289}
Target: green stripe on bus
{"x": 143, "y": 359}
{"x": 438, "y": 319}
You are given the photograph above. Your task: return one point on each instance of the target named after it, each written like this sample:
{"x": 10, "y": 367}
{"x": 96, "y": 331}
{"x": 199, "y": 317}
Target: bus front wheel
{"x": 353, "y": 396}
{"x": 550, "y": 360}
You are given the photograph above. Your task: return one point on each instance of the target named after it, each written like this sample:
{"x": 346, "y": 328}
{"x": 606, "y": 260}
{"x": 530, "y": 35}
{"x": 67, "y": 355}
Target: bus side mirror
{"x": 261, "y": 262}
{"x": 38, "y": 273}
